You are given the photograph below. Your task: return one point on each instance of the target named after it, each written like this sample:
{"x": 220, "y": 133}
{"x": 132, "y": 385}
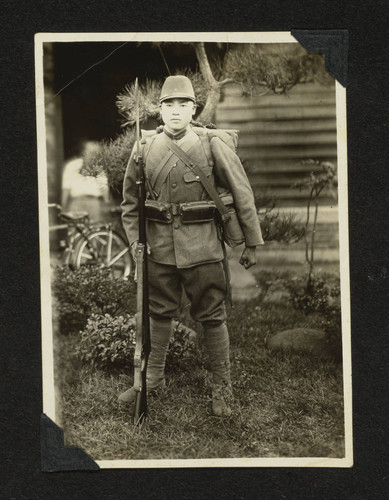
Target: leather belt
{"x": 190, "y": 213}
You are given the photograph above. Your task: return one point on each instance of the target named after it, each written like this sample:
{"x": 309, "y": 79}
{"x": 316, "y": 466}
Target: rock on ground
{"x": 301, "y": 339}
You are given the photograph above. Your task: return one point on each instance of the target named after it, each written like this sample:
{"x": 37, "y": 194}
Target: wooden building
{"x": 279, "y": 135}
{"x": 278, "y": 132}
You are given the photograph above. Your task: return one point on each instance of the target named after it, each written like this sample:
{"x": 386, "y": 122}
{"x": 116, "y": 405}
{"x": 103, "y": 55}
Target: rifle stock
{"x": 142, "y": 342}
{"x": 142, "y": 345}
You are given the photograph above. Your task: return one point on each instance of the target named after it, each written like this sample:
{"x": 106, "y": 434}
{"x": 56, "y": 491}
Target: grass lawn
{"x": 286, "y": 404}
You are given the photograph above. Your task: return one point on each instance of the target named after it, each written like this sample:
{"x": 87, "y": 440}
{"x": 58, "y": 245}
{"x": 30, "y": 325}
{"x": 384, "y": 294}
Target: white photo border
{"x": 46, "y": 298}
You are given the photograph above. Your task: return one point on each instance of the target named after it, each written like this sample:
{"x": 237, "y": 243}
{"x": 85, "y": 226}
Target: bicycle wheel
{"x": 106, "y": 249}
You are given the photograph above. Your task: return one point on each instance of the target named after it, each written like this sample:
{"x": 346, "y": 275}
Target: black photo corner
{"x": 29, "y": 441}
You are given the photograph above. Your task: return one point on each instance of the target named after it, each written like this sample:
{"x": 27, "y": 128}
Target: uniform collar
{"x": 178, "y": 135}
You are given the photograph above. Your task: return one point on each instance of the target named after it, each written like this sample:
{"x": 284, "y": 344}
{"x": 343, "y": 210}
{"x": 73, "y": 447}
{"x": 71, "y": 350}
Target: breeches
{"x": 205, "y": 286}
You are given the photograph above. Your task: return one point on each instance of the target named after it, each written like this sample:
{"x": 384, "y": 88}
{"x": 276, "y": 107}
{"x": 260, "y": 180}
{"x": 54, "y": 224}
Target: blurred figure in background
{"x": 83, "y": 192}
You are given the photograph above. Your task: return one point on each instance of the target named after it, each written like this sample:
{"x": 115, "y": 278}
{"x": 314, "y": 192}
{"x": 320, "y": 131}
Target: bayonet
{"x": 142, "y": 342}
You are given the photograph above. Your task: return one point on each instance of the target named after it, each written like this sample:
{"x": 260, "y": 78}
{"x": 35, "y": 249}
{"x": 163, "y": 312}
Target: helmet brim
{"x": 178, "y": 96}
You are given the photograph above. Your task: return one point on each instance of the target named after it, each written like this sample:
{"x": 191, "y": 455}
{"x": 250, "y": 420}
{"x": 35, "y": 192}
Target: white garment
{"x": 83, "y": 185}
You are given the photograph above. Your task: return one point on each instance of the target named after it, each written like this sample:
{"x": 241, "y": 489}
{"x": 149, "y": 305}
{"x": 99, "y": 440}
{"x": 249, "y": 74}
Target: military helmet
{"x": 178, "y": 86}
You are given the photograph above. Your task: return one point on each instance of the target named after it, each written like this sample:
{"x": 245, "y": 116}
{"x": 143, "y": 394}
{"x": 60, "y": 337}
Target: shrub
{"x": 183, "y": 349}
{"x": 109, "y": 342}
{"x": 89, "y": 290}
{"x": 284, "y": 228}
{"x": 276, "y": 226}
{"x": 320, "y": 295}
{"x": 317, "y": 182}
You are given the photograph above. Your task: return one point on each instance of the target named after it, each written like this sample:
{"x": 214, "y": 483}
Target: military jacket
{"x": 171, "y": 181}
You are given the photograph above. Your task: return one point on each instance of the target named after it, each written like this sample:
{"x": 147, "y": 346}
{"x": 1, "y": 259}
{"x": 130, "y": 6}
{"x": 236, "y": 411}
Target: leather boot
{"x": 160, "y": 332}
{"x": 216, "y": 341}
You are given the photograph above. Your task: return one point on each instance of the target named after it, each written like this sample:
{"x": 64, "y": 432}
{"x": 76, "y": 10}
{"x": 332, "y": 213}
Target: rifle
{"x": 142, "y": 341}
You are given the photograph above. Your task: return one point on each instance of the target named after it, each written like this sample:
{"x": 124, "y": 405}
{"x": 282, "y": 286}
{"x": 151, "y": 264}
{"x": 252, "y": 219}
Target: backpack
{"x": 228, "y": 136}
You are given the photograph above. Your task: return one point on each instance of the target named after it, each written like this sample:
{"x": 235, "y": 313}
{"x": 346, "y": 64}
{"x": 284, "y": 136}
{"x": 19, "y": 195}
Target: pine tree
{"x": 255, "y": 67}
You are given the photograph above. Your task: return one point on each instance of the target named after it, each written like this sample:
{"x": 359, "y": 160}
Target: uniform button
{"x": 174, "y": 185}
{"x": 176, "y": 226}
{"x": 175, "y": 165}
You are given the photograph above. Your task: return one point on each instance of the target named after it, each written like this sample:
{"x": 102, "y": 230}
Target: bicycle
{"x": 93, "y": 243}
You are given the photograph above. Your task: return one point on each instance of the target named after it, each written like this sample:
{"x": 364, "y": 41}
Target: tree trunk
{"x": 207, "y": 115}
{"x": 205, "y": 68}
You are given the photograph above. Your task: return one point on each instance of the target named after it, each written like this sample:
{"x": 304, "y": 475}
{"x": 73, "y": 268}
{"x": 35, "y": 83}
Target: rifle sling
{"x": 202, "y": 177}
{"x": 227, "y": 274}
{"x": 138, "y": 159}
{"x": 162, "y": 171}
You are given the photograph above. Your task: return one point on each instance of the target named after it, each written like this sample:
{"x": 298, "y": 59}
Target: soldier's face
{"x": 177, "y": 113}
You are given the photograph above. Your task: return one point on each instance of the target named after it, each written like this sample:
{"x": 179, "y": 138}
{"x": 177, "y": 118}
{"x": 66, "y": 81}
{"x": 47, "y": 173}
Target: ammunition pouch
{"x": 158, "y": 211}
{"x": 190, "y": 213}
{"x": 197, "y": 211}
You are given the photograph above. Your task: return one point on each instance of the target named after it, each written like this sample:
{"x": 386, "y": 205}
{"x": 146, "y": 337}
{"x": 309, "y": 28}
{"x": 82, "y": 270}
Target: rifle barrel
{"x": 143, "y": 342}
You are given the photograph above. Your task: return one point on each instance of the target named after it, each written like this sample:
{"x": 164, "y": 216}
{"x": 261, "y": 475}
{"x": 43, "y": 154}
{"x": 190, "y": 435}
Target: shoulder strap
{"x": 168, "y": 161}
{"x": 202, "y": 177}
{"x": 205, "y": 143}
{"x": 204, "y": 139}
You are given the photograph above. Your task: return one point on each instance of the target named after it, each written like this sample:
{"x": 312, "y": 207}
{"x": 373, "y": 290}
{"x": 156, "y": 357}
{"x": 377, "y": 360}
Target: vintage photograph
{"x": 194, "y": 249}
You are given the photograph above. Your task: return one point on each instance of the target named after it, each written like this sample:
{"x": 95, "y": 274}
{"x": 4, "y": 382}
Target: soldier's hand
{"x": 134, "y": 247}
{"x": 248, "y": 257}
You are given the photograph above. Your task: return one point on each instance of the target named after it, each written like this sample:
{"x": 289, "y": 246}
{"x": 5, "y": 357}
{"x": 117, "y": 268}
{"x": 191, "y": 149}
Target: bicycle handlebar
{"x": 55, "y": 205}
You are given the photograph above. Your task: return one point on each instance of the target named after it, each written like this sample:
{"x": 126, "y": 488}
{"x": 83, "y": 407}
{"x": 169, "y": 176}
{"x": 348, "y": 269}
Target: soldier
{"x": 188, "y": 255}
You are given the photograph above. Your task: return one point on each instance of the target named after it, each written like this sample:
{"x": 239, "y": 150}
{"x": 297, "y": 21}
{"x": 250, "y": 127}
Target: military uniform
{"x": 188, "y": 245}
{"x": 189, "y": 255}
